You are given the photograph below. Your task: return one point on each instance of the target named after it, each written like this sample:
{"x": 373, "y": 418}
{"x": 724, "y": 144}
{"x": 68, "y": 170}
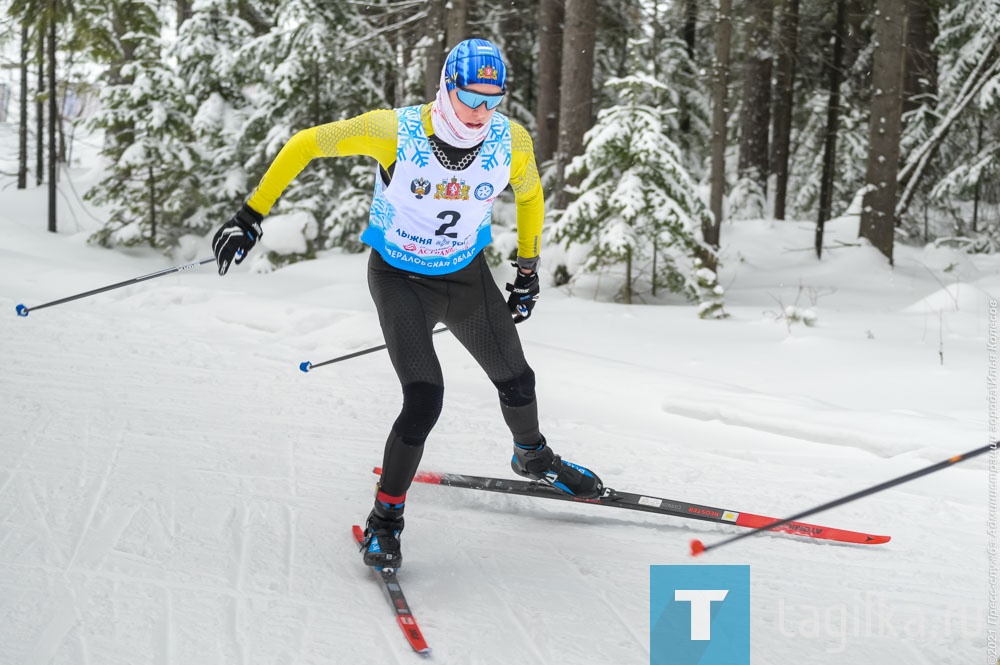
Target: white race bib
{"x": 431, "y": 220}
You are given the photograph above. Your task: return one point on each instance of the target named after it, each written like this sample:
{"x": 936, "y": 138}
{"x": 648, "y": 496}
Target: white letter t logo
{"x": 701, "y": 609}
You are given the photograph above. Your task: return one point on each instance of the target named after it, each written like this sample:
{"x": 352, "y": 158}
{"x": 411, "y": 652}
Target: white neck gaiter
{"x": 448, "y": 127}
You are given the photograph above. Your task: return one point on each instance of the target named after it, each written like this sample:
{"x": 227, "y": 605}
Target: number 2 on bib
{"x": 443, "y": 229}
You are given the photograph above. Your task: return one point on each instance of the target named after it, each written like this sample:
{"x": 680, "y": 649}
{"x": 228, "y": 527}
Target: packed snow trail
{"x": 174, "y": 490}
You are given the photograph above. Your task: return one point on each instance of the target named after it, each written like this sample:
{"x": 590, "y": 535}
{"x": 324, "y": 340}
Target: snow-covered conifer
{"x": 151, "y": 189}
{"x": 635, "y": 203}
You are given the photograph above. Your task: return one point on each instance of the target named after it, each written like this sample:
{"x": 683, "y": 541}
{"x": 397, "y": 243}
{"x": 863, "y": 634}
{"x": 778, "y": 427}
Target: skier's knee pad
{"x": 519, "y": 391}
{"x": 421, "y": 408}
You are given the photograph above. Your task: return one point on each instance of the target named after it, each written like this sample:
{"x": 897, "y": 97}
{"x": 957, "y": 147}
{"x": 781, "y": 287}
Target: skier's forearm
{"x": 530, "y": 218}
{"x": 528, "y": 193}
{"x": 293, "y": 157}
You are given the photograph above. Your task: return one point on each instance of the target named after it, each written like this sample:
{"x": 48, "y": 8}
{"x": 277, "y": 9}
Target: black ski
{"x": 648, "y": 504}
{"x": 398, "y": 601}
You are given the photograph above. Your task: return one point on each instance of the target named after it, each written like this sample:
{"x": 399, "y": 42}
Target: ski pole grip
{"x": 22, "y": 310}
{"x": 305, "y": 365}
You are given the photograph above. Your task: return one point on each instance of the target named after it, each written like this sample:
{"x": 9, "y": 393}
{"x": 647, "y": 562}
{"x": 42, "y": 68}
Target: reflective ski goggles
{"x": 476, "y": 99}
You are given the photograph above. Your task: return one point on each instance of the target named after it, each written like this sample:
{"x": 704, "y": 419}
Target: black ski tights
{"x": 471, "y": 305}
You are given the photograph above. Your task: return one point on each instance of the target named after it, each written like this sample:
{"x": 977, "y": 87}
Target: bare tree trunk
{"x": 690, "y": 30}
{"x": 152, "y": 207}
{"x": 457, "y": 22}
{"x": 921, "y": 62}
{"x": 689, "y": 33}
{"x": 435, "y": 52}
{"x": 550, "y": 45}
{"x": 784, "y": 83}
{"x": 260, "y": 24}
{"x": 979, "y": 180}
{"x": 857, "y": 38}
{"x": 628, "y": 276}
{"x": 61, "y": 131}
{"x": 656, "y": 252}
{"x": 878, "y": 215}
{"x": 520, "y": 30}
{"x": 720, "y": 87}
{"x": 576, "y": 97}
{"x": 656, "y": 29}
{"x": 40, "y": 113}
{"x": 832, "y": 120}
{"x": 22, "y": 123}
{"x": 53, "y": 117}
{"x": 755, "y": 121}
{"x": 183, "y": 12}
{"x": 403, "y": 38}
{"x": 314, "y": 100}
{"x": 63, "y": 148}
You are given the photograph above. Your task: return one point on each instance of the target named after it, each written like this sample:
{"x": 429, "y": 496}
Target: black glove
{"x": 523, "y": 294}
{"x": 236, "y": 238}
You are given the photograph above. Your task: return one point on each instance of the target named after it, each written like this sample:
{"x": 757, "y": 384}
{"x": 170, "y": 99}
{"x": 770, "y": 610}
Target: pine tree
{"x": 210, "y": 45}
{"x": 806, "y": 163}
{"x": 952, "y": 144}
{"x": 807, "y": 158}
{"x": 636, "y": 204}
{"x": 669, "y": 62}
{"x": 152, "y": 187}
{"x": 327, "y": 62}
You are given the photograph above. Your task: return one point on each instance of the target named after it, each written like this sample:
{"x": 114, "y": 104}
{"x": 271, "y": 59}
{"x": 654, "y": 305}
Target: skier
{"x": 441, "y": 166}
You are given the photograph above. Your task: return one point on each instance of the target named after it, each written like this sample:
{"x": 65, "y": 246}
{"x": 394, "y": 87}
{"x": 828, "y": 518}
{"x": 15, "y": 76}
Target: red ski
{"x": 398, "y": 601}
{"x": 648, "y": 504}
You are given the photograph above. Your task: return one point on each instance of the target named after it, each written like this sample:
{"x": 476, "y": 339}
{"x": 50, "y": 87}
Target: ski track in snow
{"x": 174, "y": 491}
{"x": 141, "y": 536}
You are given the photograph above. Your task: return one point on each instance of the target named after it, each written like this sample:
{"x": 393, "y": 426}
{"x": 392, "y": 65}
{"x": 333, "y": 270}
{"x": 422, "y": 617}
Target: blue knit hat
{"x": 475, "y": 61}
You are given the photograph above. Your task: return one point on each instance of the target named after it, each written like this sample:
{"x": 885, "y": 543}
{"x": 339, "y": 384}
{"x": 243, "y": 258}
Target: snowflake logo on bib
{"x": 484, "y": 191}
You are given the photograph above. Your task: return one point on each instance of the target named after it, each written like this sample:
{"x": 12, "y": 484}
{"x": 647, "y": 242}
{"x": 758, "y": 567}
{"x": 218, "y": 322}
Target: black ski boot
{"x": 538, "y": 462}
{"x": 381, "y": 544}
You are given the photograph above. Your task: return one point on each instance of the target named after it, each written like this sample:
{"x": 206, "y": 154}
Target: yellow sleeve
{"x": 372, "y": 134}
{"x": 528, "y": 194}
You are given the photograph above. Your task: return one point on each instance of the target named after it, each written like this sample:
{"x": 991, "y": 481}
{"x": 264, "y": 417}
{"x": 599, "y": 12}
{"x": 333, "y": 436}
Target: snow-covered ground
{"x": 173, "y": 490}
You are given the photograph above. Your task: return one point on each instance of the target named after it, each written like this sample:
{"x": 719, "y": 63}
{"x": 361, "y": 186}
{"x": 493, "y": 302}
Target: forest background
{"x": 653, "y": 121}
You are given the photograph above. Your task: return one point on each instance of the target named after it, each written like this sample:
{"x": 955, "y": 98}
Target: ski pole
{"x": 22, "y": 310}
{"x": 305, "y": 365}
{"x": 697, "y": 547}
